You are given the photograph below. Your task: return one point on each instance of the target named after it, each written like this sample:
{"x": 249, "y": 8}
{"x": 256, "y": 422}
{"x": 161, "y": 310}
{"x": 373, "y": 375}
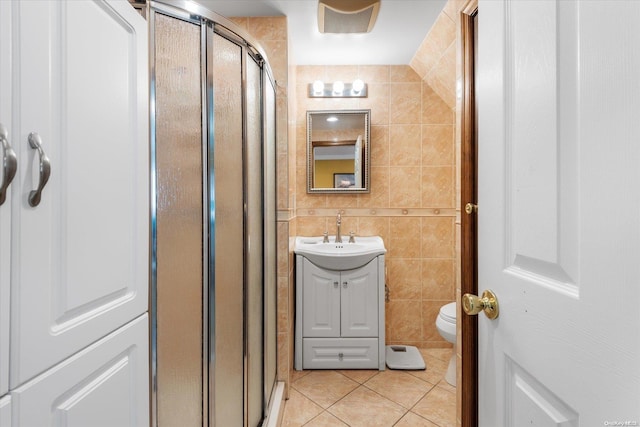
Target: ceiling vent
{"x": 347, "y": 16}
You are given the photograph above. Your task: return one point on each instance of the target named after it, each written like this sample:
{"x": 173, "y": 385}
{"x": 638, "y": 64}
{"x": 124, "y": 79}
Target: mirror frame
{"x": 366, "y": 181}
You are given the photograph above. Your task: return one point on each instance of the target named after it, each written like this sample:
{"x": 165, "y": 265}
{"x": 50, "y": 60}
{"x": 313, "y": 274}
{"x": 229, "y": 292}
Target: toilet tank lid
{"x": 448, "y": 312}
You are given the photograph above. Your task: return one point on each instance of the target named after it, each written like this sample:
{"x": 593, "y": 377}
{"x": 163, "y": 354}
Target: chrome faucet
{"x": 338, "y": 224}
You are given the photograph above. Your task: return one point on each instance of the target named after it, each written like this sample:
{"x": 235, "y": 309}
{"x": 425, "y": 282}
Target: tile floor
{"x": 363, "y": 398}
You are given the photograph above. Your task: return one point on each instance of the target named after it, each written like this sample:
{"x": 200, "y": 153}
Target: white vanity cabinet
{"x": 74, "y": 226}
{"x": 339, "y": 316}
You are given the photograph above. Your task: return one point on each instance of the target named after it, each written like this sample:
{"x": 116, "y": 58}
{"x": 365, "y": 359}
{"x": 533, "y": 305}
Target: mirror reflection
{"x": 338, "y": 151}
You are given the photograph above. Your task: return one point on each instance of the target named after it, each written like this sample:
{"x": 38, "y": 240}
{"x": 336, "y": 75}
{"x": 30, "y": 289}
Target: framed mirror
{"x": 338, "y": 152}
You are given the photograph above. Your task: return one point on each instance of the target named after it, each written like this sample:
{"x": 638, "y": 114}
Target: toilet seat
{"x": 448, "y": 312}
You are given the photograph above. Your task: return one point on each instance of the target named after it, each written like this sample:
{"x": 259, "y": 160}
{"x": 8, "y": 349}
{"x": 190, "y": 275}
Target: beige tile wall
{"x": 439, "y": 62}
{"x": 412, "y": 199}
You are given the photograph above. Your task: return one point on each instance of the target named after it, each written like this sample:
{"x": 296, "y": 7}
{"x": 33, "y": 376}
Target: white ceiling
{"x": 400, "y": 28}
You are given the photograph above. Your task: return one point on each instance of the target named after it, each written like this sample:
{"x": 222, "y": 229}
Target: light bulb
{"x": 338, "y": 87}
{"x": 357, "y": 86}
{"x": 318, "y": 87}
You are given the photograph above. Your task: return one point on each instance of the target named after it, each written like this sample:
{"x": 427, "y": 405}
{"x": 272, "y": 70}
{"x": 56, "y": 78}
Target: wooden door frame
{"x": 469, "y": 225}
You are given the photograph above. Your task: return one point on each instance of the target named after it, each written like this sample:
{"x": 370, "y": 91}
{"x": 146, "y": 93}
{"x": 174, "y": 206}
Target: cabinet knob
{"x": 340, "y": 356}
{"x": 335, "y": 284}
{"x": 344, "y": 284}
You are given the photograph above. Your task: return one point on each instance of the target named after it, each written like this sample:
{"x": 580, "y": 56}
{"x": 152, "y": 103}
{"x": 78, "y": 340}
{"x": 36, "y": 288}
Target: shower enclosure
{"x": 213, "y": 250}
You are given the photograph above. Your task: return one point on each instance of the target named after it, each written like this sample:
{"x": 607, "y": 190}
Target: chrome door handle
{"x": 10, "y": 162}
{"x": 35, "y": 142}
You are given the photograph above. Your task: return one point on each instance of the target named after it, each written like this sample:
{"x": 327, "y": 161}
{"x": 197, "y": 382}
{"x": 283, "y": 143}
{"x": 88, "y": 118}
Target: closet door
{"x": 80, "y": 257}
{"x": 5, "y": 207}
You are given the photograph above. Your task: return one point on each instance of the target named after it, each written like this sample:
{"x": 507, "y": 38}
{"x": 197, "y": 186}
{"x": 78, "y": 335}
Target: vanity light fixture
{"x": 338, "y": 89}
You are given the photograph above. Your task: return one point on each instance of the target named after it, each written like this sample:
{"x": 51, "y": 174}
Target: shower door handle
{"x": 10, "y": 162}
{"x": 35, "y": 142}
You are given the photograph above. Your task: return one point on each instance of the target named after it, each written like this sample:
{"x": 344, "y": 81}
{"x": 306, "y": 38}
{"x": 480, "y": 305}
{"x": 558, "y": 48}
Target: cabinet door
{"x": 105, "y": 384}
{"x": 320, "y": 302}
{"x": 80, "y": 258}
{"x": 359, "y": 311}
{"x": 5, "y": 208}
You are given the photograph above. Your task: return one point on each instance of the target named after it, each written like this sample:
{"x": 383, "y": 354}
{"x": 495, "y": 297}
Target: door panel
{"x": 530, "y": 402}
{"x": 106, "y": 384}
{"x": 270, "y": 308}
{"x": 553, "y": 85}
{"x": 321, "y": 302}
{"x": 254, "y": 241}
{"x": 226, "y": 156}
{"x": 91, "y": 119}
{"x": 359, "y": 308}
{"x": 179, "y": 222}
{"x": 541, "y": 146}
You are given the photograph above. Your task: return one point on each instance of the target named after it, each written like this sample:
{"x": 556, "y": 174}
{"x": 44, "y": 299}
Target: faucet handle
{"x": 325, "y": 237}
{"x": 352, "y": 237}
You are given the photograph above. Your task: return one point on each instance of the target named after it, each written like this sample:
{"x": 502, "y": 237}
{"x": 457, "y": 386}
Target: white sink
{"x": 339, "y": 256}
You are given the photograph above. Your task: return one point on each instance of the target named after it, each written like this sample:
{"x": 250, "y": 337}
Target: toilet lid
{"x": 448, "y": 312}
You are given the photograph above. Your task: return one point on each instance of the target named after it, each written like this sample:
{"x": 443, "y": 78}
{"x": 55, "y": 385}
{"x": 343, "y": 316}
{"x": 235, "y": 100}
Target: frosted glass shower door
{"x": 179, "y": 221}
{"x": 270, "y": 281}
{"x": 254, "y": 240}
{"x": 214, "y": 245}
{"x": 226, "y": 264}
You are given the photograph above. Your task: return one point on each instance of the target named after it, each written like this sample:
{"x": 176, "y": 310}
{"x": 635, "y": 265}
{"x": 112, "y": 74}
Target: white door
{"x": 105, "y": 384}
{"x": 320, "y": 302}
{"x": 79, "y": 265}
{"x": 359, "y": 301}
{"x": 5, "y": 207}
{"x": 559, "y": 212}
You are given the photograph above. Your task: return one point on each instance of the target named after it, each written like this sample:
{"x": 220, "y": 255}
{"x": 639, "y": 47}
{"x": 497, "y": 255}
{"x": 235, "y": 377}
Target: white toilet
{"x": 446, "y": 325}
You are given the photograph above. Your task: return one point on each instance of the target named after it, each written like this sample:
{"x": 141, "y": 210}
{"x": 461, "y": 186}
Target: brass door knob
{"x": 470, "y": 208}
{"x": 473, "y": 304}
